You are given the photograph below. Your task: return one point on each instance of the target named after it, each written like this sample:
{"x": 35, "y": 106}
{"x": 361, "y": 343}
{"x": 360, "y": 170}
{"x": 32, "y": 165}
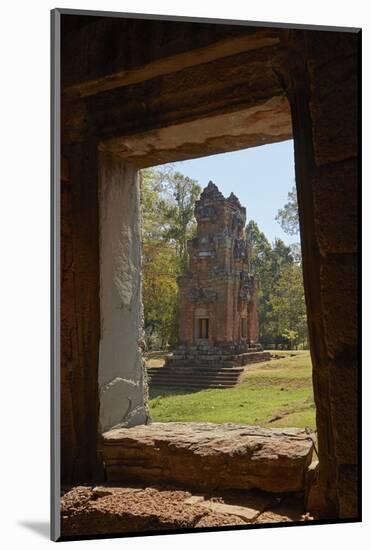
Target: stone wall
{"x": 161, "y": 102}
{"x": 322, "y": 88}
{"x": 68, "y": 325}
{"x": 102, "y": 371}
{"x": 79, "y": 311}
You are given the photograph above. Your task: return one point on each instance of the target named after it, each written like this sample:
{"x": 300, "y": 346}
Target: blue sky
{"x": 261, "y": 177}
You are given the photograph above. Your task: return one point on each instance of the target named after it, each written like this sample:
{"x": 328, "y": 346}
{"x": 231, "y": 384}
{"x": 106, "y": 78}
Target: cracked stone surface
{"x": 209, "y": 456}
{"x": 121, "y": 509}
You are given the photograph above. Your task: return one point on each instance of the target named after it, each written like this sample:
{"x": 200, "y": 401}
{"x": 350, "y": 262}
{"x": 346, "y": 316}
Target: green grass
{"x": 275, "y": 393}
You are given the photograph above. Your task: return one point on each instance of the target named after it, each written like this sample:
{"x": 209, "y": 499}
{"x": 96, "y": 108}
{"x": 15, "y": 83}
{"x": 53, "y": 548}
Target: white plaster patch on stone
{"x": 135, "y": 417}
{"x": 120, "y": 238}
{"x": 124, "y": 269}
{"x": 115, "y": 403}
{"x": 120, "y": 377}
{"x": 117, "y": 380}
{"x": 121, "y": 404}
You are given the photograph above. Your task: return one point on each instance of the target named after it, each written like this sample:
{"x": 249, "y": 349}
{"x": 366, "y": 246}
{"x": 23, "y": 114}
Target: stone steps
{"x": 209, "y": 456}
{"x": 199, "y": 372}
{"x": 186, "y": 387}
{"x": 241, "y": 359}
{"x": 216, "y": 358}
{"x": 182, "y": 378}
{"x": 195, "y": 369}
{"x": 194, "y": 377}
{"x": 187, "y": 384}
{"x": 193, "y": 363}
{"x": 183, "y": 383}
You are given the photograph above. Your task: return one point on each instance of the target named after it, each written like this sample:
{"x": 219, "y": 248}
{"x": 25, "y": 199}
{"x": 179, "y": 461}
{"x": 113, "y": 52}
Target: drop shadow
{"x": 41, "y": 528}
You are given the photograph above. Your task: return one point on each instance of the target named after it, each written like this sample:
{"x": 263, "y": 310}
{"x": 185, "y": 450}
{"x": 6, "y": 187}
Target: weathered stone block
{"x": 343, "y": 398}
{"x": 324, "y": 46}
{"x": 347, "y": 491}
{"x": 209, "y": 456}
{"x": 335, "y": 204}
{"x": 339, "y": 298}
{"x": 334, "y": 110}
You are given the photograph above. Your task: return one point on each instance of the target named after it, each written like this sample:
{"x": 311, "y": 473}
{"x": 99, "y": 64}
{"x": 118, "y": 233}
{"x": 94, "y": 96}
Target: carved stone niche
{"x": 247, "y": 285}
{"x": 202, "y": 295}
{"x": 238, "y": 221}
{"x": 245, "y": 295}
{"x": 204, "y": 246}
{"x": 240, "y": 249}
{"x": 205, "y": 212}
{"x": 218, "y": 271}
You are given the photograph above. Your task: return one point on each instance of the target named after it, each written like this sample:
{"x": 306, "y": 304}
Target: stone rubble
{"x": 87, "y": 510}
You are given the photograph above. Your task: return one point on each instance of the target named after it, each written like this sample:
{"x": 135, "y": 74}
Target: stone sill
{"x": 209, "y": 456}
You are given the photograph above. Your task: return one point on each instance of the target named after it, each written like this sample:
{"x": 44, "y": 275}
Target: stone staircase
{"x": 201, "y": 367}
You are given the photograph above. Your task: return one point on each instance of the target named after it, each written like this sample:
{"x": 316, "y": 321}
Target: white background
{"x": 24, "y": 286}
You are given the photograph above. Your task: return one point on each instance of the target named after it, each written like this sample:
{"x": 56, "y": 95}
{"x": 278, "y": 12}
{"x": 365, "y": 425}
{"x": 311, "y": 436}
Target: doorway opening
{"x": 238, "y": 94}
{"x": 243, "y": 328}
{"x": 202, "y": 328}
{"x": 223, "y": 295}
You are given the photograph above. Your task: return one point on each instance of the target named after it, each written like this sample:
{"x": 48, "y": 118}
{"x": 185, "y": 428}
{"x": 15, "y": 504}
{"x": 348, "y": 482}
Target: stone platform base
{"x": 202, "y": 367}
{"x": 124, "y": 509}
{"x": 209, "y": 456}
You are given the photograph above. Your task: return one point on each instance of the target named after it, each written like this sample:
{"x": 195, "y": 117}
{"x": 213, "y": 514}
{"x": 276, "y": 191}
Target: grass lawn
{"x": 274, "y": 393}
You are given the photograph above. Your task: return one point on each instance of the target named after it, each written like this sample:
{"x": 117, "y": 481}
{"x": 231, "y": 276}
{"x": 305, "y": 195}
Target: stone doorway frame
{"x": 105, "y": 242}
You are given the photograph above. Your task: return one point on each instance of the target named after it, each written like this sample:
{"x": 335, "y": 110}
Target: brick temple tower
{"x": 218, "y": 300}
{"x": 218, "y": 294}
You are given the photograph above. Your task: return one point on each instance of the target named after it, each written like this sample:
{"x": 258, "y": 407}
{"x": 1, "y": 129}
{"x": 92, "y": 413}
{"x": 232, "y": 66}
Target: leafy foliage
{"x": 167, "y": 200}
{"x": 288, "y": 216}
{"x": 287, "y": 316}
{"x": 282, "y": 313}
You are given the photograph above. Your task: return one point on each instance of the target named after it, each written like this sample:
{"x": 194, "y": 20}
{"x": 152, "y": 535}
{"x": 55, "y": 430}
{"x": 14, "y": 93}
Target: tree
{"x": 160, "y": 294}
{"x": 281, "y": 257}
{"x": 295, "y": 251}
{"x": 179, "y": 210}
{"x": 267, "y": 261}
{"x": 281, "y": 292}
{"x": 261, "y": 265}
{"x": 167, "y": 204}
{"x": 284, "y": 302}
{"x": 287, "y": 314}
{"x": 288, "y": 216}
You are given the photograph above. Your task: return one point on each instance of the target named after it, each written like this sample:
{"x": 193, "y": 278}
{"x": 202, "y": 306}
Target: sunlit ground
{"x": 277, "y": 393}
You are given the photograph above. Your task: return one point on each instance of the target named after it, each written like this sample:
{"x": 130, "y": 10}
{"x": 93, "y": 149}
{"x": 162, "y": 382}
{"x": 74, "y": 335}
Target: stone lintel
{"x": 266, "y": 122}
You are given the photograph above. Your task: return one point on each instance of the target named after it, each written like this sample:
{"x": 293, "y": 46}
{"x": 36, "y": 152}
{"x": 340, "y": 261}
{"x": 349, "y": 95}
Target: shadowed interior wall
{"x": 322, "y": 88}
{"x": 79, "y": 310}
{"x": 318, "y": 72}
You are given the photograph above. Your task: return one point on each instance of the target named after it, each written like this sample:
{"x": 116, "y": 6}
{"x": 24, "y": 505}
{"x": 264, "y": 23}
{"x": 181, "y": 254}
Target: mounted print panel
{"x": 205, "y": 314}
